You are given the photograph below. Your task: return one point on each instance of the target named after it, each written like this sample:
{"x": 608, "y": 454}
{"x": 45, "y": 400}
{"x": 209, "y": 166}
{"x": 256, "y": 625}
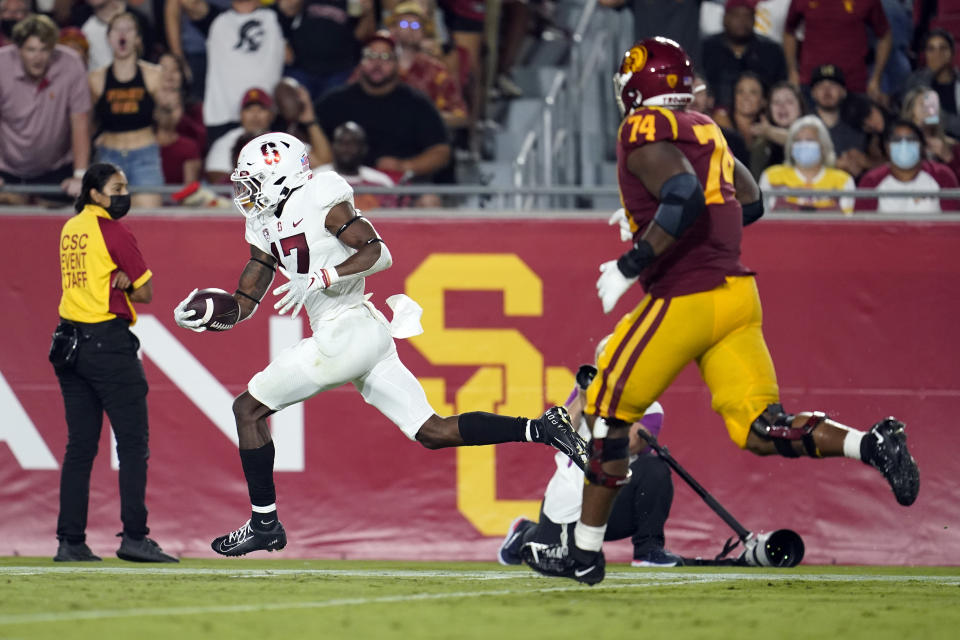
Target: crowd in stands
{"x": 810, "y": 95}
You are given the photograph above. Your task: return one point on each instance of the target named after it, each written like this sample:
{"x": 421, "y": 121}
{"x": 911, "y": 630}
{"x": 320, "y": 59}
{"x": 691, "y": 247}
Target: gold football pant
{"x": 719, "y": 329}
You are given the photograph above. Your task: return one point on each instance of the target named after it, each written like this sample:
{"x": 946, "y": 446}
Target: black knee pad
{"x": 607, "y": 450}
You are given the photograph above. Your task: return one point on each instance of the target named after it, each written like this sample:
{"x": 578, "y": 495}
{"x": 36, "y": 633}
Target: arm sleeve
{"x": 124, "y": 251}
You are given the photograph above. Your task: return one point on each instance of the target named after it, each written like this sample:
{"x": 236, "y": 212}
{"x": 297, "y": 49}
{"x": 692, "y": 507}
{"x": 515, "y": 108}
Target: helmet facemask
{"x": 268, "y": 169}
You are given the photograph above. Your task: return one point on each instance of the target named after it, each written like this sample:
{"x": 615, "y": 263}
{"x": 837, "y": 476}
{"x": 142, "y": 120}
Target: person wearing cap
{"x": 836, "y": 33}
{"x": 422, "y": 71}
{"x": 828, "y": 91}
{"x": 736, "y": 49}
{"x": 406, "y": 136}
{"x": 256, "y": 114}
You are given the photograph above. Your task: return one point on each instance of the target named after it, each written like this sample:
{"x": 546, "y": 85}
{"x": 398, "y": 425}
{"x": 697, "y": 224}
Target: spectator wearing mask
{"x": 412, "y": 143}
{"x": 44, "y": 109}
{"x": 737, "y": 49}
{"x": 124, "y": 95}
{"x": 11, "y": 12}
{"x": 809, "y": 165}
{"x": 940, "y": 74}
{"x": 835, "y": 33}
{"x": 908, "y": 170}
{"x": 245, "y": 48}
{"x": 349, "y": 148}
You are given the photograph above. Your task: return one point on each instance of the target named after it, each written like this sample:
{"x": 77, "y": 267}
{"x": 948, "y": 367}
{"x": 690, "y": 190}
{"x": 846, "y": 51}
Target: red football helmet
{"x": 654, "y": 72}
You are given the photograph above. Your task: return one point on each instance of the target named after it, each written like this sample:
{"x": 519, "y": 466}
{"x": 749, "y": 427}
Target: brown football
{"x": 217, "y": 308}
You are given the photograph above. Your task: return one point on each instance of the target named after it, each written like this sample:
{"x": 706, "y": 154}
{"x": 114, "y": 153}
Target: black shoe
{"x": 143, "y": 550}
{"x": 891, "y": 458}
{"x": 247, "y": 539}
{"x": 509, "y": 552}
{"x": 553, "y": 560}
{"x": 78, "y": 552}
{"x": 554, "y": 428}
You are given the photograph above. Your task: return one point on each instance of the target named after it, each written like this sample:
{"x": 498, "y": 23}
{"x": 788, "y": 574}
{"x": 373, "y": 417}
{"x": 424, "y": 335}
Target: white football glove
{"x": 619, "y": 217}
{"x": 299, "y": 286}
{"x": 611, "y": 285}
{"x": 185, "y": 317}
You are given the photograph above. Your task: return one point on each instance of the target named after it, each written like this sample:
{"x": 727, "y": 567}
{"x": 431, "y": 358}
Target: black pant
{"x": 639, "y": 511}
{"x": 107, "y": 376}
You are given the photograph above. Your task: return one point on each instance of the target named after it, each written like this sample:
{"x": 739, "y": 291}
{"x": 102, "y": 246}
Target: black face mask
{"x": 119, "y": 206}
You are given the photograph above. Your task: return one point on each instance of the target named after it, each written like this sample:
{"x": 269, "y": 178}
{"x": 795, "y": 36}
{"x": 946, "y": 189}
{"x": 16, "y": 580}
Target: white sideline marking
{"x": 617, "y": 580}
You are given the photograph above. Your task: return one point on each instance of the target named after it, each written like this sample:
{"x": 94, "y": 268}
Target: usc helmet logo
{"x": 634, "y": 60}
{"x": 672, "y": 80}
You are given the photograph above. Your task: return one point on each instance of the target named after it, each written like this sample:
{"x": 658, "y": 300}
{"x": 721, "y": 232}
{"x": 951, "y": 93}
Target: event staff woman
{"x": 94, "y": 355}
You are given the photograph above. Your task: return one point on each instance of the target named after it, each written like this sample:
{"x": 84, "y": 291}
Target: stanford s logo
{"x": 271, "y": 155}
{"x": 634, "y": 60}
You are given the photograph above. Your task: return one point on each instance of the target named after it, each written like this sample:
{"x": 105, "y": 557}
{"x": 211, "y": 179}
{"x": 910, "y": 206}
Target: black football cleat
{"x": 893, "y": 460}
{"x": 247, "y": 539}
{"x": 78, "y": 552}
{"x": 554, "y": 428}
{"x": 553, "y": 560}
{"x": 509, "y": 552}
{"x": 142, "y": 550}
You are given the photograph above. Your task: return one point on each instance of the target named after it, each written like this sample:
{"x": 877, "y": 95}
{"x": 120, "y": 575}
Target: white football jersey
{"x": 300, "y": 242}
{"x": 564, "y": 495}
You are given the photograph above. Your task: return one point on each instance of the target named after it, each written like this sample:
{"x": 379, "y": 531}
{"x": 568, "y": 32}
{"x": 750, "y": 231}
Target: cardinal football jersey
{"x": 301, "y": 243}
{"x": 709, "y": 250}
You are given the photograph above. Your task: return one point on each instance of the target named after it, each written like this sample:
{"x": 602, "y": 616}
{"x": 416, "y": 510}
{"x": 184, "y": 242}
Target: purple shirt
{"x": 35, "y": 116}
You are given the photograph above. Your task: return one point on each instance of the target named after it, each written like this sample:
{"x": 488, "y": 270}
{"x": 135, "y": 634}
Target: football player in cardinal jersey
{"x": 305, "y": 224}
{"x": 687, "y": 200}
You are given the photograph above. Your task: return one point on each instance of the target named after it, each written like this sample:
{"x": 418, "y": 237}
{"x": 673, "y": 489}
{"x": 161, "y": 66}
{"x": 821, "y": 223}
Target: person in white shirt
{"x": 907, "y": 170}
{"x": 305, "y": 224}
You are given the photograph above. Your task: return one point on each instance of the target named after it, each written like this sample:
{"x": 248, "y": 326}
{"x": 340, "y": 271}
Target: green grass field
{"x": 294, "y": 599}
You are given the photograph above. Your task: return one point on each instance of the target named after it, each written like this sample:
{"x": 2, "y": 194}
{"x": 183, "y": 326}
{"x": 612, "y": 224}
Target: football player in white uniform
{"x": 305, "y": 224}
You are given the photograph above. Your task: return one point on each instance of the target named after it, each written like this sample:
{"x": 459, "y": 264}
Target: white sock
{"x": 851, "y": 444}
{"x": 527, "y": 436}
{"x": 589, "y": 538}
{"x": 270, "y": 508}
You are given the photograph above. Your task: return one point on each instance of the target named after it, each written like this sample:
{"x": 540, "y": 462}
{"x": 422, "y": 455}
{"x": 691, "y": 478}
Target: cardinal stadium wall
{"x": 861, "y": 319}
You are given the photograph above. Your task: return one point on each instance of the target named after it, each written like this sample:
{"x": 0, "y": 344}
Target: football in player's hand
{"x": 217, "y": 308}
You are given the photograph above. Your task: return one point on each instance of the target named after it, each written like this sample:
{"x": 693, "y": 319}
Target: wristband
{"x": 79, "y": 173}
{"x": 636, "y": 260}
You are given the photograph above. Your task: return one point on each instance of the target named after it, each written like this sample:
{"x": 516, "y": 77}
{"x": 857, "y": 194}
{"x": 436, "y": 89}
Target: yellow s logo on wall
{"x": 510, "y": 377}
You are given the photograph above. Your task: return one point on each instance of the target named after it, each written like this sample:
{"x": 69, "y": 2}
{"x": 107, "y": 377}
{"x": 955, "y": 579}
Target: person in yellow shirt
{"x": 94, "y": 355}
{"x": 809, "y": 160}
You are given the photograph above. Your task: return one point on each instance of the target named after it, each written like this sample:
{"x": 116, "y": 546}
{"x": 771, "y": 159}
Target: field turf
{"x": 294, "y": 599}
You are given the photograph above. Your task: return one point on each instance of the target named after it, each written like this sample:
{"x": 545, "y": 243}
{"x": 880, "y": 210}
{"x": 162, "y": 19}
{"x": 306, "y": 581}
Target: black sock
{"x": 480, "y": 427}
{"x": 263, "y": 521}
{"x": 258, "y": 470}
